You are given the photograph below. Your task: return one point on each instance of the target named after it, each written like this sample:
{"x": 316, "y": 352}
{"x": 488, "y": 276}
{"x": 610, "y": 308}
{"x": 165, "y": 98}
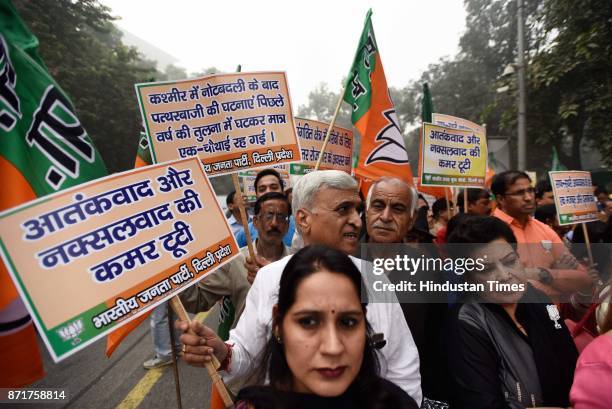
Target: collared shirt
{"x": 399, "y": 358}
{"x": 235, "y": 225}
{"x": 544, "y": 248}
{"x": 287, "y": 239}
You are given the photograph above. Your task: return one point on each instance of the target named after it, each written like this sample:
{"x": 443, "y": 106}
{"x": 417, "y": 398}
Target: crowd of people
{"x": 307, "y": 333}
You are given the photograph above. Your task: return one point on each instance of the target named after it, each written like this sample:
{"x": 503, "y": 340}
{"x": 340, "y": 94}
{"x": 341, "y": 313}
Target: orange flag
{"x": 43, "y": 149}
{"x": 383, "y": 152}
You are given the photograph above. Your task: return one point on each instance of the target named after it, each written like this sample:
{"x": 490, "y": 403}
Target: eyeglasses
{"x": 280, "y": 217}
{"x": 522, "y": 192}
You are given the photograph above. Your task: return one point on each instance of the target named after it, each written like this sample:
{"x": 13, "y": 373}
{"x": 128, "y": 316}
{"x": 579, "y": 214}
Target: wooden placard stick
{"x": 465, "y": 200}
{"x": 243, "y": 215}
{"x": 587, "y": 241}
{"x": 211, "y": 367}
{"x": 448, "y": 208}
{"x": 331, "y": 125}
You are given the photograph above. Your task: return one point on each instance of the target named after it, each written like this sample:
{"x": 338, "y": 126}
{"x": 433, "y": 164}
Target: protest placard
{"x": 93, "y": 257}
{"x": 452, "y": 157}
{"x": 230, "y": 121}
{"x": 338, "y": 152}
{"x": 455, "y": 122}
{"x": 574, "y": 197}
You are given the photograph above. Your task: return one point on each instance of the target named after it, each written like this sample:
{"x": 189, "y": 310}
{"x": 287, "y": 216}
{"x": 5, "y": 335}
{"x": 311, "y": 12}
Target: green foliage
{"x": 84, "y": 53}
{"x": 321, "y": 106}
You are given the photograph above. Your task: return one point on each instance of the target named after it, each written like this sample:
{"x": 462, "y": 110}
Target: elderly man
{"x": 549, "y": 265}
{"x": 232, "y": 280}
{"x": 390, "y": 208}
{"x": 325, "y": 207}
{"x": 390, "y": 213}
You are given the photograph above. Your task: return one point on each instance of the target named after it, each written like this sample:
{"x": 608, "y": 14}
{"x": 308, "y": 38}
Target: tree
{"x": 84, "y": 53}
{"x": 321, "y": 106}
{"x": 571, "y": 77}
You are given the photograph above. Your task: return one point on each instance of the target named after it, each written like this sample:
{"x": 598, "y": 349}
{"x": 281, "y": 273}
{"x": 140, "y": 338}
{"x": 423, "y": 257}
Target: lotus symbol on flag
{"x": 392, "y": 150}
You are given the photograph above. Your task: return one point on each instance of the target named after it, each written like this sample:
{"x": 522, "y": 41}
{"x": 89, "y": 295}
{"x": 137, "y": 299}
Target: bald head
{"x": 391, "y": 204}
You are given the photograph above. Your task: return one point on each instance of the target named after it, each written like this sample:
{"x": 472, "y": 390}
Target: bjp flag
{"x": 427, "y": 110}
{"x": 43, "y": 149}
{"x": 383, "y": 152}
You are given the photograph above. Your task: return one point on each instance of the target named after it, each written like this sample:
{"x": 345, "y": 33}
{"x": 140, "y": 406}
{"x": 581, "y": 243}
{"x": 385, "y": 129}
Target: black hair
{"x": 599, "y": 190}
{"x": 270, "y": 196}
{"x": 481, "y": 229}
{"x": 230, "y": 198}
{"x": 457, "y": 220}
{"x": 501, "y": 181}
{"x": 368, "y": 388}
{"x": 439, "y": 206}
{"x": 545, "y": 212}
{"x": 267, "y": 172}
{"x": 542, "y": 187}
{"x": 305, "y": 262}
{"x": 473, "y": 196}
{"x": 477, "y": 230}
{"x": 420, "y": 196}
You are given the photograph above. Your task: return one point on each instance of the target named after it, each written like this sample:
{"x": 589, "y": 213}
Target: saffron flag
{"x": 43, "y": 149}
{"x": 382, "y": 151}
{"x": 426, "y": 116}
{"x": 143, "y": 158}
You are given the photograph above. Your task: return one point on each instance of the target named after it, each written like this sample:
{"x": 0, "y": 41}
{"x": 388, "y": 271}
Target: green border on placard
{"x": 145, "y": 121}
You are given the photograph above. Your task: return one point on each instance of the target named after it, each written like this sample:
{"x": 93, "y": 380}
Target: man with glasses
{"x": 232, "y": 280}
{"x": 549, "y": 265}
{"x": 266, "y": 181}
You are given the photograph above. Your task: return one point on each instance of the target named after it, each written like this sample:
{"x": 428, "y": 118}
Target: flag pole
{"x": 331, "y": 125}
{"x": 211, "y": 366}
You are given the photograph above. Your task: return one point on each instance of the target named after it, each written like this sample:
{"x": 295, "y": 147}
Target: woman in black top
{"x": 506, "y": 349}
{"x": 320, "y": 355}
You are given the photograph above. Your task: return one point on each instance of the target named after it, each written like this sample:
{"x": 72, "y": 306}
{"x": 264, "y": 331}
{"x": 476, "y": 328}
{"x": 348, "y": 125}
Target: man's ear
{"x": 302, "y": 221}
{"x": 500, "y": 201}
{"x": 256, "y": 221}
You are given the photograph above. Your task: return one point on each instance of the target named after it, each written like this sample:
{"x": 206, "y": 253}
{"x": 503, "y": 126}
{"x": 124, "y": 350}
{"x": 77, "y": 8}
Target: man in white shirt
{"x": 325, "y": 208}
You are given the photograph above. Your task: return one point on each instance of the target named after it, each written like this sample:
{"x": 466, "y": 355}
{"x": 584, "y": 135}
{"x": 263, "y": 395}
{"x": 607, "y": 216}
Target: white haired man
{"x": 390, "y": 210}
{"x": 325, "y": 208}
